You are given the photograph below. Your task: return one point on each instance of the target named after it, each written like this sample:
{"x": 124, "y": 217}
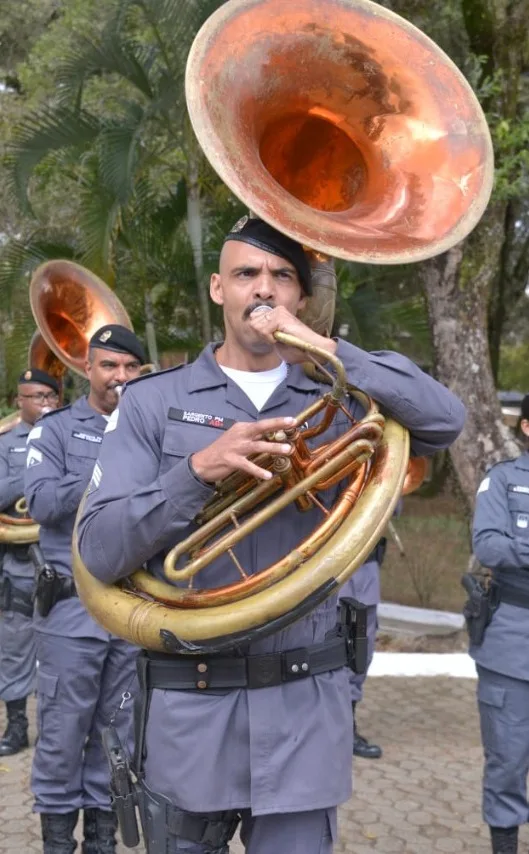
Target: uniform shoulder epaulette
{"x": 55, "y": 411}
{"x": 155, "y": 374}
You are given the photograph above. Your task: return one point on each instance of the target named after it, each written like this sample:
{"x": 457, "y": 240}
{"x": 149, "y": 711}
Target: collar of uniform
{"x": 82, "y": 411}
{"x": 21, "y": 429}
{"x": 522, "y": 462}
{"x": 205, "y": 373}
{"x": 298, "y": 379}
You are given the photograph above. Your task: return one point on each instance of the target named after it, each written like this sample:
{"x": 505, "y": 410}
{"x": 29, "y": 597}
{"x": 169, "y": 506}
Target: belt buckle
{"x": 296, "y": 664}
{"x": 263, "y": 671}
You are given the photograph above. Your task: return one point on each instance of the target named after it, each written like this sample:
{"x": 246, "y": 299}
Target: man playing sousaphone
{"x": 273, "y": 752}
{"x": 38, "y": 393}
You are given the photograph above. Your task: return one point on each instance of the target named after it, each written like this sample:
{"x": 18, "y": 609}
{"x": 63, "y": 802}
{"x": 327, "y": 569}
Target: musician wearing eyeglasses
{"x": 38, "y": 393}
{"x": 84, "y": 674}
{"x": 227, "y": 739}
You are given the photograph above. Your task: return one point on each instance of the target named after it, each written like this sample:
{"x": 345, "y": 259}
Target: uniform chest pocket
{"x": 182, "y": 440}
{"x": 17, "y": 458}
{"x": 518, "y": 504}
{"x": 81, "y": 454}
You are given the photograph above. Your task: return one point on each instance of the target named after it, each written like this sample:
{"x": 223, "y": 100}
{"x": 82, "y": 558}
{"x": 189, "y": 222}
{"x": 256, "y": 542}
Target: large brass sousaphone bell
{"x": 346, "y": 128}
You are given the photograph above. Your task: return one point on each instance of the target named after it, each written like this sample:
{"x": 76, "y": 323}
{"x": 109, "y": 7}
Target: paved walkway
{"x": 422, "y": 797}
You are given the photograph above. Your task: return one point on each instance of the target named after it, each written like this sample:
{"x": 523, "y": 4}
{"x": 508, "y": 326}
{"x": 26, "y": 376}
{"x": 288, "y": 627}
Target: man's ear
{"x": 215, "y": 289}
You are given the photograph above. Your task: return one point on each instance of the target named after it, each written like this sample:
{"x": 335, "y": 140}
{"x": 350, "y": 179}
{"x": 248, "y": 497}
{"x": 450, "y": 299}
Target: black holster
{"x": 480, "y": 606}
{"x": 352, "y": 625}
{"x": 123, "y": 788}
{"x": 162, "y": 821}
{"x": 50, "y": 587}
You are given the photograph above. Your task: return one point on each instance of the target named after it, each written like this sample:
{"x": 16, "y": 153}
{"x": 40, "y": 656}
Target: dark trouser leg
{"x": 99, "y": 832}
{"x": 15, "y": 737}
{"x": 504, "y": 840}
{"x": 117, "y": 676}
{"x": 311, "y": 832}
{"x": 68, "y": 681}
{"x": 503, "y": 705}
{"x": 57, "y": 832}
{"x": 361, "y": 746}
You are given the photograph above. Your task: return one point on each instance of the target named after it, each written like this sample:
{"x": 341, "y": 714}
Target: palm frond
{"x": 111, "y": 54}
{"x": 117, "y": 147}
{"x": 18, "y": 260}
{"x": 42, "y": 132}
{"x": 98, "y": 220}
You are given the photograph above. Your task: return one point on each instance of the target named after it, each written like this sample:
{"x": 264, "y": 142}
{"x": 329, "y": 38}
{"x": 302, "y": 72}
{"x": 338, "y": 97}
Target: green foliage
{"x": 514, "y": 367}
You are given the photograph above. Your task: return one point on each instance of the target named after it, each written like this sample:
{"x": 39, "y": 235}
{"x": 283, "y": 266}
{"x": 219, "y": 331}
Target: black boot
{"x": 57, "y": 832}
{"x": 361, "y": 746}
{"x": 504, "y": 840}
{"x": 99, "y": 831}
{"x": 16, "y": 735}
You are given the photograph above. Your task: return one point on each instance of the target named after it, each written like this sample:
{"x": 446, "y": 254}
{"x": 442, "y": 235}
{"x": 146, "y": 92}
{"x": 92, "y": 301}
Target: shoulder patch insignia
{"x": 484, "y": 485}
{"x": 35, "y": 433}
{"x": 34, "y": 458}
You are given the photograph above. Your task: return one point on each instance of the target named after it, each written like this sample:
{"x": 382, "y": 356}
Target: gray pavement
{"x": 423, "y": 796}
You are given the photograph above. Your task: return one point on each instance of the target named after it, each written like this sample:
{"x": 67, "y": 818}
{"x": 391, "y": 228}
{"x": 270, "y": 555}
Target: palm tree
{"x": 129, "y": 137}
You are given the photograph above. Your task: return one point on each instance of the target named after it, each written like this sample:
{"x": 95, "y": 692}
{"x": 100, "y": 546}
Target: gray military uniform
{"x": 17, "y": 645}
{"x": 279, "y": 750}
{"x": 83, "y": 670}
{"x": 501, "y": 543}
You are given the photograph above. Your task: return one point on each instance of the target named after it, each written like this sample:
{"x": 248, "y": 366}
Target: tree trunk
{"x": 3, "y": 362}
{"x": 457, "y": 286}
{"x": 150, "y": 331}
{"x": 194, "y": 227}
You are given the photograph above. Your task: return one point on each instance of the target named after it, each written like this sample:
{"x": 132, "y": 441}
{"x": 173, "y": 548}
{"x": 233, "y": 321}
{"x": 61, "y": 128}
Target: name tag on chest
{"x": 524, "y": 490}
{"x": 204, "y": 419}
{"x": 87, "y": 437}
{"x": 21, "y": 450}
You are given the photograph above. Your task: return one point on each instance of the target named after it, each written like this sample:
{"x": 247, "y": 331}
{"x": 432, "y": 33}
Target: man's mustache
{"x": 248, "y": 310}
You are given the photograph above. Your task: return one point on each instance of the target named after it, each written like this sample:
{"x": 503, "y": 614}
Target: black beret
{"x": 260, "y": 234}
{"x": 118, "y": 339}
{"x": 525, "y": 407}
{"x": 34, "y": 375}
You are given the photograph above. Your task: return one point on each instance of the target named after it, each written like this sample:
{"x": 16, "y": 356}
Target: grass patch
{"x": 435, "y": 536}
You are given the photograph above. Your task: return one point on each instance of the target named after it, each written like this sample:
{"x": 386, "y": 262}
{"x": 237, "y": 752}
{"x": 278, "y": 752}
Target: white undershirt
{"x": 257, "y": 385}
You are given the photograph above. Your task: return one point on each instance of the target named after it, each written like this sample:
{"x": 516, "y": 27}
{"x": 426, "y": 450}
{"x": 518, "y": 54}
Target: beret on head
{"x": 525, "y": 407}
{"x": 118, "y": 339}
{"x": 34, "y": 375}
{"x": 260, "y": 234}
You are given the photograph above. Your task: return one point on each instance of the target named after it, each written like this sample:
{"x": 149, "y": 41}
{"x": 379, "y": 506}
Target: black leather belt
{"x": 192, "y": 673}
{"x": 512, "y": 593}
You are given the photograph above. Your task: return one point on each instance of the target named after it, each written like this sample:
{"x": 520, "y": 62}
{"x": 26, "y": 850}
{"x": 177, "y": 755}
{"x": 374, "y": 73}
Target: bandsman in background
{"x": 84, "y": 672}
{"x": 38, "y": 393}
{"x": 498, "y": 621}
